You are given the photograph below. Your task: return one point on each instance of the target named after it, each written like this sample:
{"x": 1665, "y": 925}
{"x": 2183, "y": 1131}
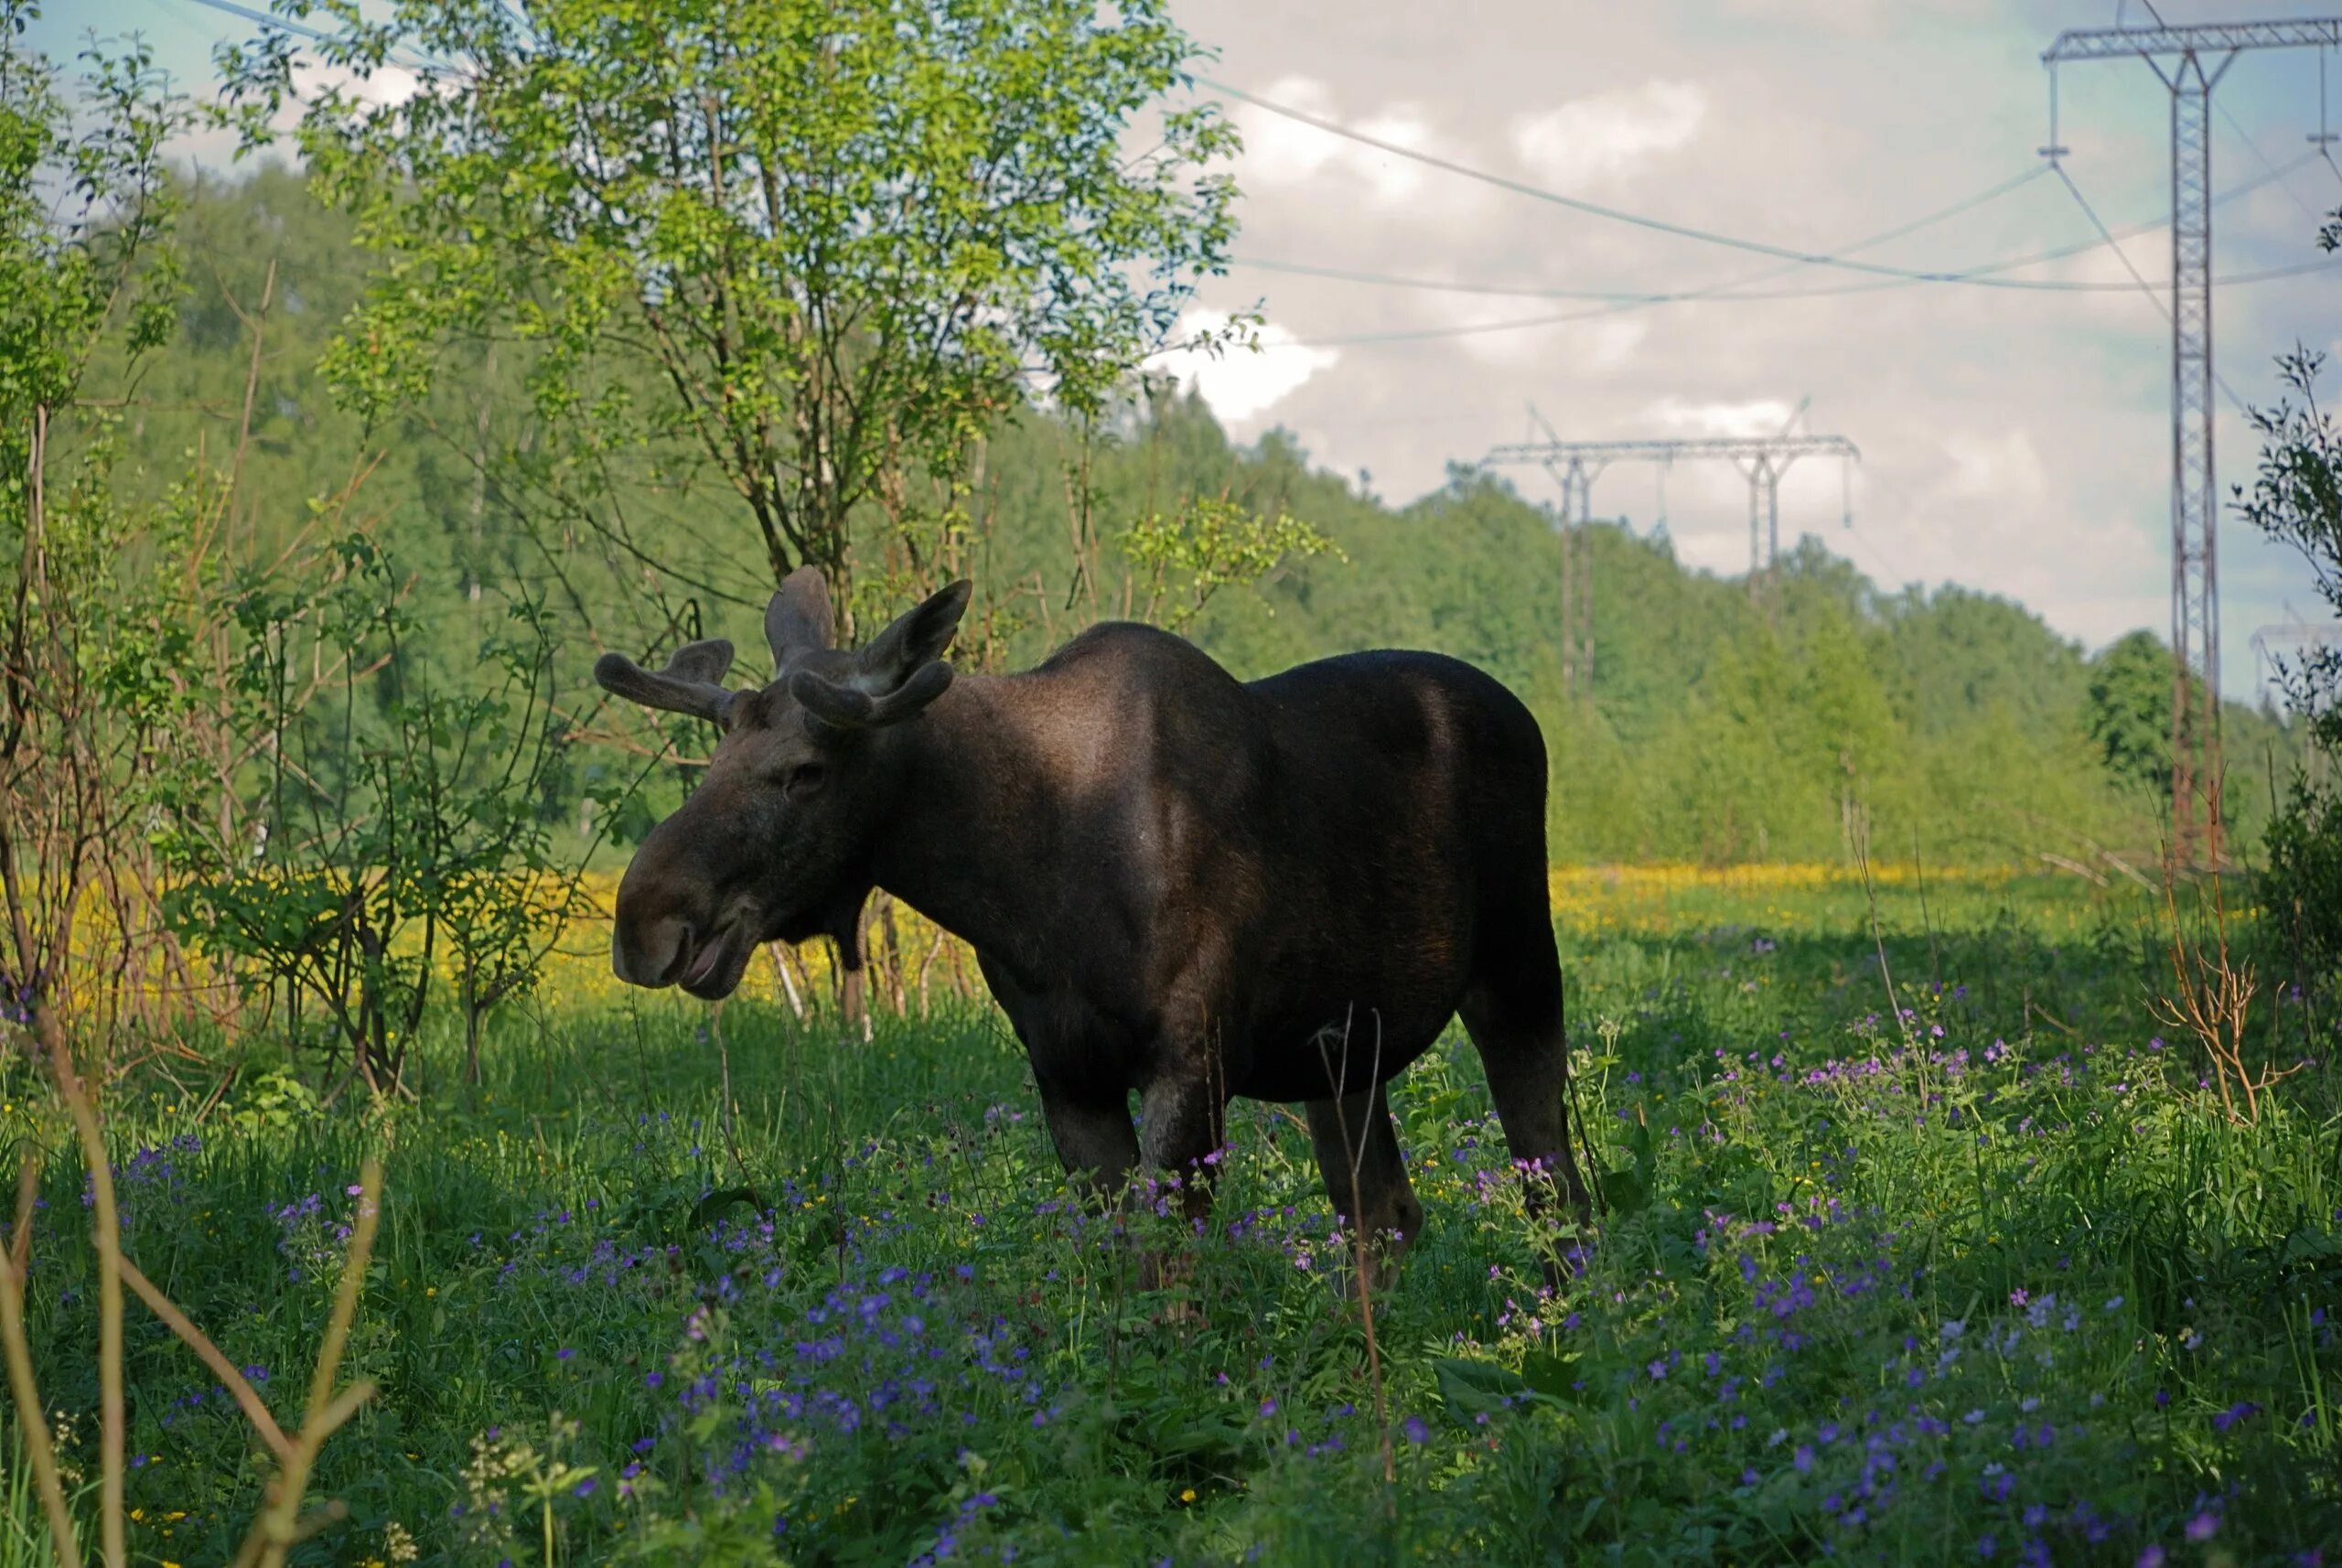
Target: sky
{"x": 2015, "y": 441}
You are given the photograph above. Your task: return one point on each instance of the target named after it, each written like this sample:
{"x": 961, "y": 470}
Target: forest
{"x": 1969, "y": 730}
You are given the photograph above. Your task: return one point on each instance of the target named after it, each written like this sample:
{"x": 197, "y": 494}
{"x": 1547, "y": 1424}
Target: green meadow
{"x": 1986, "y": 1272}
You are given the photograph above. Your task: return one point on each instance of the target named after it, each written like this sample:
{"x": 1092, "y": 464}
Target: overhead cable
{"x": 1597, "y": 209}
{"x": 1802, "y": 291}
{"x": 2138, "y": 278}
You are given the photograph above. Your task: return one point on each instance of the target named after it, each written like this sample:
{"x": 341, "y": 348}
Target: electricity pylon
{"x": 1575, "y": 465}
{"x": 1577, "y": 633}
{"x": 2268, "y": 641}
{"x": 2199, "y": 57}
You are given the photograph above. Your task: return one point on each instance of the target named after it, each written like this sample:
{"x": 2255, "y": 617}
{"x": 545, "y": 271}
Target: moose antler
{"x": 691, "y": 683}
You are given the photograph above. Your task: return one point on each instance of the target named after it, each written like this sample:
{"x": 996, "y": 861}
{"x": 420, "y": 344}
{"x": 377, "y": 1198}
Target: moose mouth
{"x": 712, "y": 971}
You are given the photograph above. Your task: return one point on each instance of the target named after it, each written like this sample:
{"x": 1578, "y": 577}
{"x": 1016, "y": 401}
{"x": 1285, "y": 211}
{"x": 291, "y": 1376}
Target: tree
{"x": 814, "y": 247}
{"x": 102, "y": 602}
{"x": 2129, "y": 709}
{"x": 2297, "y": 499}
{"x": 409, "y": 830}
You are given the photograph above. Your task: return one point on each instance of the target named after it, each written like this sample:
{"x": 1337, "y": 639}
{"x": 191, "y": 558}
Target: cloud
{"x": 1282, "y": 154}
{"x": 1588, "y": 141}
{"x": 1762, "y": 417}
{"x": 386, "y": 86}
{"x": 215, "y": 147}
{"x": 2004, "y": 469}
{"x": 1240, "y": 383}
{"x": 1848, "y": 15}
{"x": 1392, "y": 179}
{"x": 1580, "y": 349}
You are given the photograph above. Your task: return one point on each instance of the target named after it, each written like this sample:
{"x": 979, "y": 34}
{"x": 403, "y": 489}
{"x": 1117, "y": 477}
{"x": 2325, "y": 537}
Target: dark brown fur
{"x": 1177, "y": 884}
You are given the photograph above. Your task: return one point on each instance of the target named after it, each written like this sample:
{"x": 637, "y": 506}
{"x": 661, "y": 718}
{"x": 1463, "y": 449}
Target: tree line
{"x": 1956, "y": 721}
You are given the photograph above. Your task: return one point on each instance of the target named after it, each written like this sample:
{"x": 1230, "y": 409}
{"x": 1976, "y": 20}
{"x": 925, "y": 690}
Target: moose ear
{"x": 692, "y": 682}
{"x": 898, "y": 674}
{"x": 841, "y": 706}
{"x": 915, "y": 638}
{"x": 797, "y": 619}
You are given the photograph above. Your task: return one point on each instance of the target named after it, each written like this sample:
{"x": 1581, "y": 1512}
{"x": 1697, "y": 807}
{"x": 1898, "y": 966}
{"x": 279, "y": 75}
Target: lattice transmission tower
{"x": 2190, "y": 61}
{"x": 1575, "y": 465}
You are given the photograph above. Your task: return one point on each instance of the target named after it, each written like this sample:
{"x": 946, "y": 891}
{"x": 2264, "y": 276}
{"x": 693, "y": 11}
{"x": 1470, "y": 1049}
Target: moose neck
{"x": 966, "y": 841}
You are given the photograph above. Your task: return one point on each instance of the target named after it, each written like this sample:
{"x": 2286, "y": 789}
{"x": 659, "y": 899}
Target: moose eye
{"x": 801, "y": 781}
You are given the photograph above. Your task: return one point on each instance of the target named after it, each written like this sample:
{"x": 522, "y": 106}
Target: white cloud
{"x": 1579, "y": 349}
{"x": 1393, "y": 178}
{"x": 385, "y": 87}
{"x": 1241, "y": 383}
{"x": 1590, "y": 140}
{"x": 215, "y": 147}
{"x": 1282, "y": 154}
{"x": 1848, "y": 15}
{"x": 1763, "y": 416}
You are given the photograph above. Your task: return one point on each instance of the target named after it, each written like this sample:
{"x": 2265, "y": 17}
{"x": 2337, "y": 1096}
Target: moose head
{"x": 776, "y": 841}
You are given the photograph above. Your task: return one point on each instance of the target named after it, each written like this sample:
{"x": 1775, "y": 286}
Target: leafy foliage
{"x": 814, "y": 247}
{"x": 110, "y": 608}
{"x": 1209, "y": 544}
{"x": 2297, "y": 499}
{"x": 407, "y": 838}
{"x": 2130, "y": 710}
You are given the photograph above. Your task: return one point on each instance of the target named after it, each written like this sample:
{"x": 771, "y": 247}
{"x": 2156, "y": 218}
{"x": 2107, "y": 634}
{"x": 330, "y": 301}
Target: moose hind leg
{"x": 1513, "y": 1011}
{"x": 1356, "y": 1146}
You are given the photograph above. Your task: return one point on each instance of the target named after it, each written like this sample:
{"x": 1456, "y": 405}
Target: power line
{"x": 1965, "y": 204}
{"x": 2261, "y": 158}
{"x": 413, "y": 60}
{"x": 1806, "y": 291}
{"x": 1834, "y": 291}
{"x": 1612, "y": 214}
{"x": 2138, "y": 279}
{"x": 262, "y": 18}
{"x": 180, "y": 19}
{"x": 1523, "y": 323}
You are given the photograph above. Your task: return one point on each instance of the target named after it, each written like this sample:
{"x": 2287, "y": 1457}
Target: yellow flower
{"x": 1187, "y": 1496}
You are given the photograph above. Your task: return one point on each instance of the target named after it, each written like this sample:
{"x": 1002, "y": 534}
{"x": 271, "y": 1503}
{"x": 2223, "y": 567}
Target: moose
{"x": 1176, "y": 883}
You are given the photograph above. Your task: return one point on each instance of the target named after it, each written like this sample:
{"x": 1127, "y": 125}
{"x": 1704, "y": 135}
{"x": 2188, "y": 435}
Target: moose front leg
{"x": 1094, "y": 1140}
{"x": 1181, "y": 1130}
{"x": 843, "y": 928}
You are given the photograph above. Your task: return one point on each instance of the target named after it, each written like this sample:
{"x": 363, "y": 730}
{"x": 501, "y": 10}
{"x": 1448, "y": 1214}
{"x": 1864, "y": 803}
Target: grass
{"x": 1991, "y": 1280}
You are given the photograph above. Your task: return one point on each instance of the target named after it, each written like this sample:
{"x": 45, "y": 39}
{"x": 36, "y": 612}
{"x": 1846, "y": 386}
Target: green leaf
{"x": 1469, "y": 1388}
{"x": 1625, "y": 1191}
